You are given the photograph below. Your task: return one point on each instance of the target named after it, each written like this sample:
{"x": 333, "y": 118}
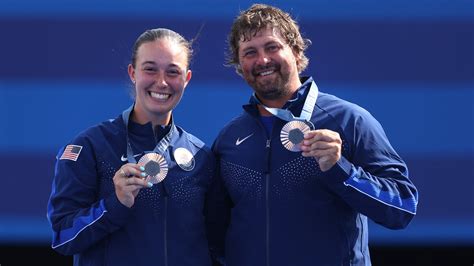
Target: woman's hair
{"x": 161, "y": 33}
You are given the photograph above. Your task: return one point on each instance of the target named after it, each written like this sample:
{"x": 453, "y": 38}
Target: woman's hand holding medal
{"x": 128, "y": 181}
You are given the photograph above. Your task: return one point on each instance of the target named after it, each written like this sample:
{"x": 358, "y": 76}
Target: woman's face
{"x": 160, "y": 76}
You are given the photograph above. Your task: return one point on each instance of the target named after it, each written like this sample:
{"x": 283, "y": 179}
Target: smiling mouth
{"x": 266, "y": 73}
{"x": 159, "y": 96}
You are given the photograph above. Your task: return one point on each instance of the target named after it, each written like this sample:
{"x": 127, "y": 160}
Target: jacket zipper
{"x": 267, "y": 203}
{"x": 267, "y": 188}
{"x": 165, "y": 225}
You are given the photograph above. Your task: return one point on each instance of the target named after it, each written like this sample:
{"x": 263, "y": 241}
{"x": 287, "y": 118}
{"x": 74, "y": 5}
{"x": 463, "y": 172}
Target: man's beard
{"x": 273, "y": 93}
{"x": 273, "y": 89}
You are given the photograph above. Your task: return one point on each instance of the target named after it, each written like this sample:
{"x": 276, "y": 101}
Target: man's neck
{"x": 280, "y": 102}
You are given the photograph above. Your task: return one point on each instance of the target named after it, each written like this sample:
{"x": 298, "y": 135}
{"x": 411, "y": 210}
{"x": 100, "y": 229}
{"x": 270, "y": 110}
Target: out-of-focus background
{"x": 409, "y": 62}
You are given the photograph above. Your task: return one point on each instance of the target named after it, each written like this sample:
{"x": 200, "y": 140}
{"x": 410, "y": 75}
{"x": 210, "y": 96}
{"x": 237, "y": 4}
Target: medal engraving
{"x": 152, "y": 168}
{"x": 155, "y": 167}
{"x": 292, "y": 134}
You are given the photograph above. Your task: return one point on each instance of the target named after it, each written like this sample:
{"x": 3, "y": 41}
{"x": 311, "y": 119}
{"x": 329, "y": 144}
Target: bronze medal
{"x": 292, "y": 134}
{"x": 155, "y": 167}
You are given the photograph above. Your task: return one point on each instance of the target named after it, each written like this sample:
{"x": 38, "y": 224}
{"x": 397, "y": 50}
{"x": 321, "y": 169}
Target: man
{"x": 301, "y": 170}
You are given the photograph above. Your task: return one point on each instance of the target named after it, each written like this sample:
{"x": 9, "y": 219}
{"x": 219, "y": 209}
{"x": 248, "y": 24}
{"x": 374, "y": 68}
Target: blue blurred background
{"x": 409, "y": 62}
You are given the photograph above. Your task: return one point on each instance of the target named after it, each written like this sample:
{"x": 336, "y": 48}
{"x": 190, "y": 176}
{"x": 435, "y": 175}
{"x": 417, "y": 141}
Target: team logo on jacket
{"x": 239, "y": 141}
{"x": 184, "y": 158}
{"x": 155, "y": 166}
{"x": 124, "y": 157}
{"x": 292, "y": 134}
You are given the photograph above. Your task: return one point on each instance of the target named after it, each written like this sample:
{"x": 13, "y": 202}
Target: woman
{"x": 131, "y": 191}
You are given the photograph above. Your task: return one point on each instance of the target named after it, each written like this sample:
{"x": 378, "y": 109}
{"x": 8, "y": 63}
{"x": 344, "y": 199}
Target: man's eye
{"x": 272, "y": 48}
{"x": 249, "y": 53}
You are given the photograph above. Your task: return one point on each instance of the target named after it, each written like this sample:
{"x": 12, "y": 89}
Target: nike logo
{"x": 239, "y": 141}
{"x": 124, "y": 158}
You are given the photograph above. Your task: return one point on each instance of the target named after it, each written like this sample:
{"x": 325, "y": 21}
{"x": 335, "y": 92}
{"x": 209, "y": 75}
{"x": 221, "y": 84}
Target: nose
{"x": 263, "y": 58}
{"x": 161, "y": 80}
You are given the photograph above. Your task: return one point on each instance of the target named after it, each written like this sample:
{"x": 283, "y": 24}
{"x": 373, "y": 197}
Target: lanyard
{"x": 160, "y": 148}
{"x": 307, "y": 111}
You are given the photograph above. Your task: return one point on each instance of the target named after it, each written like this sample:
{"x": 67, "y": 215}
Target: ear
{"x": 189, "y": 74}
{"x": 131, "y": 73}
{"x": 298, "y": 56}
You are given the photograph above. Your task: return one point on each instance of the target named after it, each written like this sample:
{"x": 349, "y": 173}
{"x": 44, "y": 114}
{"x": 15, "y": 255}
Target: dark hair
{"x": 161, "y": 33}
{"x": 258, "y": 17}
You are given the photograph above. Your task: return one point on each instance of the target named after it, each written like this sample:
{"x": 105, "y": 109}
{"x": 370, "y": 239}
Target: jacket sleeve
{"x": 372, "y": 178}
{"x": 78, "y": 217}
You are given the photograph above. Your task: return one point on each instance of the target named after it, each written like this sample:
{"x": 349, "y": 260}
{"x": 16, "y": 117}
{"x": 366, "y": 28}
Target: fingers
{"x": 135, "y": 182}
{"x": 320, "y": 149}
{"x": 320, "y": 145}
{"x": 128, "y": 181}
{"x": 323, "y": 144}
{"x": 321, "y": 135}
{"x": 131, "y": 175}
{"x": 321, "y": 139}
{"x": 130, "y": 170}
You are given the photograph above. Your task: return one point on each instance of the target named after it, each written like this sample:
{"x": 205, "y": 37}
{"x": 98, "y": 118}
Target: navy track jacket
{"x": 165, "y": 226}
{"x": 278, "y": 207}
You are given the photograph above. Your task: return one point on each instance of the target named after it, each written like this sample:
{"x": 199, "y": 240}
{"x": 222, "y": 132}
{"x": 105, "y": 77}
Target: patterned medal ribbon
{"x": 154, "y": 163}
{"x": 292, "y": 133}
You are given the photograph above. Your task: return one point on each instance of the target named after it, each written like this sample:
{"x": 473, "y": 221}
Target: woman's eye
{"x": 173, "y": 72}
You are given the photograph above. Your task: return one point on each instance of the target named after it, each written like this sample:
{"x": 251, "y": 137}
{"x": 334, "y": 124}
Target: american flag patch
{"x": 71, "y": 152}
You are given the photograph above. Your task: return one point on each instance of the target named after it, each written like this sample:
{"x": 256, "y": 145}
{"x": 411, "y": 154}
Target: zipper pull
{"x": 268, "y": 144}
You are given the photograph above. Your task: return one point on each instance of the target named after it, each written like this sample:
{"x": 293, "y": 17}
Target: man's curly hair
{"x": 258, "y": 17}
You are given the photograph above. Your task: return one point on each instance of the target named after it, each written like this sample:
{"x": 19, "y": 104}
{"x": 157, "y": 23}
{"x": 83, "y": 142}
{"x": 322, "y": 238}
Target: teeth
{"x": 159, "y": 96}
{"x": 266, "y": 73}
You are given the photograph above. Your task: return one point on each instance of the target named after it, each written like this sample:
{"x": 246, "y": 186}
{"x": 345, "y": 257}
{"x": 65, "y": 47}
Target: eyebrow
{"x": 148, "y": 62}
{"x": 272, "y": 42}
{"x": 264, "y": 45}
{"x": 153, "y": 63}
{"x": 248, "y": 48}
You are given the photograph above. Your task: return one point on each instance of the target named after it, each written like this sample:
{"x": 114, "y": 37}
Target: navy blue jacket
{"x": 279, "y": 208}
{"x": 165, "y": 226}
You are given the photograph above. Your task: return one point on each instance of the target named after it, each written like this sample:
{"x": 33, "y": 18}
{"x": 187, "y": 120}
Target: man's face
{"x": 269, "y": 65}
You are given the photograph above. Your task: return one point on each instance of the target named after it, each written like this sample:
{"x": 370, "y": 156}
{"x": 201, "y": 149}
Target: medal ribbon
{"x": 308, "y": 106}
{"x": 160, "y": 148}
